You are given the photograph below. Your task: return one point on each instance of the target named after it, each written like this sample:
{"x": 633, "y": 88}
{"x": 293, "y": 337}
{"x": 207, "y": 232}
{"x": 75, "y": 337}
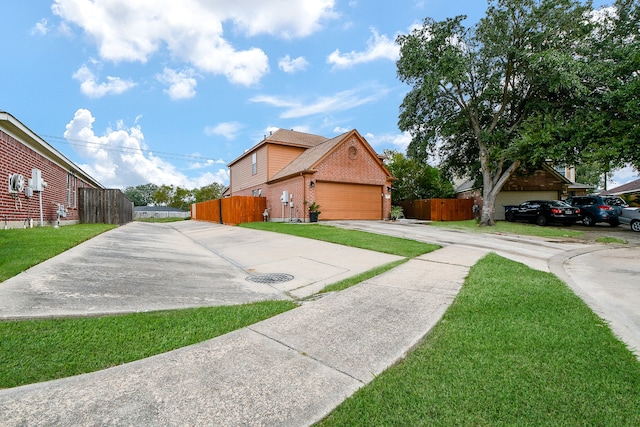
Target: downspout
{"x": 304, "y": 198}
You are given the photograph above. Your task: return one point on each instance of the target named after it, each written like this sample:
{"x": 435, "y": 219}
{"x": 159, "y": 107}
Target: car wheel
{"x": 541, "y": 220}
{"x": 588, "y": 221}
{"x": 635, "y": 225}
{"x": 510, "y": 216}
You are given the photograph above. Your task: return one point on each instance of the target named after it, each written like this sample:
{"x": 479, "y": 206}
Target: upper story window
{"x": 254, "y": 163}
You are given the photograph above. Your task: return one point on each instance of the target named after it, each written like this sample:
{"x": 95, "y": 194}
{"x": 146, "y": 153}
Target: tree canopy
{"x": 415, "y": 179}
{"x": 517, "y": 88}
{"x": 169, "y": 195}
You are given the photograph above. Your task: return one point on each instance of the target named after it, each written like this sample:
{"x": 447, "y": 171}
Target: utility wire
{"x": 120, "y": 149}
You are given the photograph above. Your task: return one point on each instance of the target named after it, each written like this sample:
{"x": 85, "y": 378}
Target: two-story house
{"x": 343, "y": 175}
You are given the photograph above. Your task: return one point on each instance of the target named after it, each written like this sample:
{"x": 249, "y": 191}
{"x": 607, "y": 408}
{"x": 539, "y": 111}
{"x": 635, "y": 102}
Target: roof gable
{"x": 629, "y": 187}
{"x": 290, "y": 138}
{"x": 311, "y": 158}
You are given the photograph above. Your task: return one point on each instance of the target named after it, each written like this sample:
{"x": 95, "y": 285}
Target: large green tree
{"x": 502, "y": 93}
{"x": 141, "y": 195}
{"x": 415, "y": 179}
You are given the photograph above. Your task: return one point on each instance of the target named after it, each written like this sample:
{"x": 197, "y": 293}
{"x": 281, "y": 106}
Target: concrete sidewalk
{"x": 290, "y": 370}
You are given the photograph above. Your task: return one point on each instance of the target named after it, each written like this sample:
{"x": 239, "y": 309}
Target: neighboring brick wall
{"x": 540, "y": 180}
{"x": 296, "y": 188}
{"x": 16, "y": 157}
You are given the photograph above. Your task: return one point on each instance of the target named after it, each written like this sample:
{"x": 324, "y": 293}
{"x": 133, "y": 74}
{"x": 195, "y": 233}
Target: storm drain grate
{"x": 270, "y": 278}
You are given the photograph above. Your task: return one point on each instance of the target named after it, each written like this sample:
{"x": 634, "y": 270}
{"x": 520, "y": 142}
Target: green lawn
{"x": 40, "y": 350}
{"x": 517, "y": 347}
{"x": 359, "y": 239}
{"x": 21, "y": 249}
{"x": 471, "y": 226}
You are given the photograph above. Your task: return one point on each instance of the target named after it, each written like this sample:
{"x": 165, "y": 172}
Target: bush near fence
{"x": 230, "y": 210}
{"x": 438, "y": 209}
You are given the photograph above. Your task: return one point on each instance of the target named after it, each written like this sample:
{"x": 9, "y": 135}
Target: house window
{"x": 254, "y": 163}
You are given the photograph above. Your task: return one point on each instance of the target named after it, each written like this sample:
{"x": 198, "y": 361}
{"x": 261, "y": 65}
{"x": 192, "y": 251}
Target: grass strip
{"x": 354, "y": 238}
{"x": 358, "y": 278}
{"x": 516, "y": 347}
{"x": 509, "y": 227}
{"x": 21, "y": 249}
{"x": 40, "y": 350}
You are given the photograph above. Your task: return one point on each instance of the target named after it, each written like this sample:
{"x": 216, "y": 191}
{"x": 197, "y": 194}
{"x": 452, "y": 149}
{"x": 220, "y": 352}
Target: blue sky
{"x": 170, "y": 92}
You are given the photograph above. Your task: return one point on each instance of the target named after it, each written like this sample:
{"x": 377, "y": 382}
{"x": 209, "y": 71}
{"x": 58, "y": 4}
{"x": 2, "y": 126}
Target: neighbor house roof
{"x": 26, "y": 136}
{"x": 286, "y": 137}
{"x": 630, "y": 187}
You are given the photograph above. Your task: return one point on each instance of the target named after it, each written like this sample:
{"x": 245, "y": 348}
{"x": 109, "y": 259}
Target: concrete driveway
{"x": 154, "y": 266}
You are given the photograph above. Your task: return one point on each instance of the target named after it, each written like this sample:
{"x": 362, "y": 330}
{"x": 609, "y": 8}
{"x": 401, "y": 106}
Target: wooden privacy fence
{"x": 230, "y": 210}
{"x": 102, "y": 206}
{"x": 438, "y": 209}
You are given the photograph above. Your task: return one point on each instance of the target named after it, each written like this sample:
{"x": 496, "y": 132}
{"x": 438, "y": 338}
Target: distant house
{"x": 628, "y": 190}
{"x": 41, "y": 184}
{"x": 142, "y": 212}
{"x": 343, "y": 175}
{"x": 545, "y": 183}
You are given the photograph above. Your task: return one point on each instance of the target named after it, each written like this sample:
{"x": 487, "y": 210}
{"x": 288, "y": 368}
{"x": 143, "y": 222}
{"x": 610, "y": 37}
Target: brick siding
{"x": 15, "y": 157}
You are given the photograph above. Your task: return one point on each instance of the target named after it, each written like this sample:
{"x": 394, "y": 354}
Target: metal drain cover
{"x": 270, "y": 278}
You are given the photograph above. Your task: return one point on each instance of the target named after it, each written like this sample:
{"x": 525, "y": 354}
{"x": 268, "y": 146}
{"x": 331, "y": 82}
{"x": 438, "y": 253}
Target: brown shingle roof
{"x": 292, "y": 137}
{"x": 629, "y": 187}
{"x": 286, "y": 137}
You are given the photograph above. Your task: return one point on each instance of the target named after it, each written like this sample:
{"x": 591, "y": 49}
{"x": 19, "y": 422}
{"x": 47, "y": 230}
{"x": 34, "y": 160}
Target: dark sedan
{"x": 543, "y": 212}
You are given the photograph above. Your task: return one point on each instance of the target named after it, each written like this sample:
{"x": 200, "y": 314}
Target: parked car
{"x": 543, "y": 212}
{"x": 631, "y": 216}
{"x": 595, "y": 209}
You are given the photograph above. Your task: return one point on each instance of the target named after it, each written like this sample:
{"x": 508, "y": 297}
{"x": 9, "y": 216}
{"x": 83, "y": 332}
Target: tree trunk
{"x": 488, "y": 206}
{"x": 490, "y": 189}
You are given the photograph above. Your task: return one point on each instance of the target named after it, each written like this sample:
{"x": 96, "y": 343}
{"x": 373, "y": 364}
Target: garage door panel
{"x": 349, "y": 201}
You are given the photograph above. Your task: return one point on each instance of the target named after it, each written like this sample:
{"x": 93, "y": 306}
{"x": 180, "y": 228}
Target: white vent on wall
{"x": 16, "y": 183}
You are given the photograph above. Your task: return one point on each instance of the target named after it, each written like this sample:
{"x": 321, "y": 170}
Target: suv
{"x": 594, "y": 209}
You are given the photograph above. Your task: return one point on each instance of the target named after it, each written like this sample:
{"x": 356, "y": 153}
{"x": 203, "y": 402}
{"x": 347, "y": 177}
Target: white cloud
{"x": 192, "y": 30}
{"x": 398, "y": 142}
{"x": 378, "y": 47}
{"x": 340, "y": 130}
{"x": 340, "y": 101}
{"x": 227, "y": 129}
{"x": 623, "y": 176}
{"x": 120, "y": 157}
{"x": 206, "y": 164}
{"x": 90, "y": 87}
{"x": 289, "y": 65}
{"x": 182, "y": 84}
{"x": 40, "y": 27}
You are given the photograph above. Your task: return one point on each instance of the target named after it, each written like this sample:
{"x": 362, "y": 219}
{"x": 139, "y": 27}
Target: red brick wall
{"x": 16, "y": 157}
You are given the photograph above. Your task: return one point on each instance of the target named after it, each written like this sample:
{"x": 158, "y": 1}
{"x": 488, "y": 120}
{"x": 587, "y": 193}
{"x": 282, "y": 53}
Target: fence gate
{"x": 102, "y": 206}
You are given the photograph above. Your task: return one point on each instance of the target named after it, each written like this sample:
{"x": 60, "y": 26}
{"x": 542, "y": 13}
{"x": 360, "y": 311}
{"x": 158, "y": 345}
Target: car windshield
{"x": 558, "y": 204}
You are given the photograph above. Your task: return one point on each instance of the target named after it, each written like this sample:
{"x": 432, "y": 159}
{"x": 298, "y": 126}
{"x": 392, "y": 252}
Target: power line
{"x": 121, "y": 149}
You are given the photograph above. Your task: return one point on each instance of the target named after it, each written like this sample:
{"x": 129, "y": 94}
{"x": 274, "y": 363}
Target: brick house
{"x": 41, "y": 184}
{"x": 343, "y": 175}
{"x": 545, "y": 183}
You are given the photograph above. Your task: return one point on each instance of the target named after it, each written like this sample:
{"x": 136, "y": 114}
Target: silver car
{"x": 631, "y": 216}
